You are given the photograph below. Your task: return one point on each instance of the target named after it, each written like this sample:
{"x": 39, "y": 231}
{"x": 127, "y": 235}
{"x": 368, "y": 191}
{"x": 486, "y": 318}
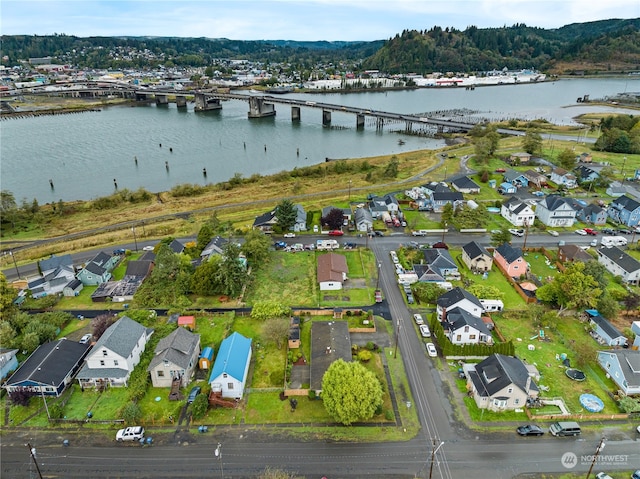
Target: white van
{"x": 609, "y": 241}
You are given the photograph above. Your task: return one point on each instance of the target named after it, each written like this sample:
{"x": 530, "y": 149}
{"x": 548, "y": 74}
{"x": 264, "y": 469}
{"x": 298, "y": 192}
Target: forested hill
{"x": 594, "y": 47}
{"x": 607, "y": 45}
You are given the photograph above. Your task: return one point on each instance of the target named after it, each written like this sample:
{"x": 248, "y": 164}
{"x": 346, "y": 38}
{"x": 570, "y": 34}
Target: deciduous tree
{"x": 569, "y": 289}
{"x": 276, "y": 330}
{"x": 333, "y": 219}
{"x": 350, "y": 392}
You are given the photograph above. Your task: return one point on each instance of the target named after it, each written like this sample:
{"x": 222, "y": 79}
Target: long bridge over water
{"x": 260, "y": 106}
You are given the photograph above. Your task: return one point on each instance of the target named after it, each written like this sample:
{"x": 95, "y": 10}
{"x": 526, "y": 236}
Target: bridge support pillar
{"x": 203, "y": 103}
{"x": 258, "y": 108}
{"x": 295, "y": 113}
{"x": 326, "y": 118}
{"x": 379, "y": 124}
{"x": 141, "y": 97}
{"x": 408, "y": 127}
{"x": 359, "y": 121}
{"x": 181, "y": 101}
{"x": 162, "y": 99}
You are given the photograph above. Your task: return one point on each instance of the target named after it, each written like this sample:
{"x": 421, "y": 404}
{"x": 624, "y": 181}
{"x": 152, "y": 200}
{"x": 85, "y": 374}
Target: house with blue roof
{"x": 625, "y": 210}
{"x": 230, "y": 369}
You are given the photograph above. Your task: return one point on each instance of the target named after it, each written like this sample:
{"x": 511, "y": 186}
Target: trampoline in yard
{"x": 575, "y": 374}
{"x": 591, "y": 403}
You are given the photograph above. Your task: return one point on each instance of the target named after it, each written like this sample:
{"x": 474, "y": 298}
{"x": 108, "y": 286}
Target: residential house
{"x": 123, "y": 290}
{"x": 176, "y": 357}
{"x": 462, "y": 327}
{"x": 301, "y": 219}
{"x": 458, "y": 298}
{"x": 619, "y": 263}
{"x": 331, "y": 271}
{"x": 592, "y": 214}
{"x": 604, "y": 331}
{"x": 176, "y": 246}
{"x": 347, "y": 214}
{"x": 49, "y": 265}
{"x": 536, "y": 180}
{"x": 517, "y": 179}
{"x": 230, "y": 369}
{"x": 265, "y": 222}
{"x": 519, "y": 158}
{"x": 98, "y": 269}
{"x": 625, "y": 210}
{"x": 556, "y": 211}
{"x": 476, "y": 257}
{"x": 8, "y": 362}
{"x": 585, "y": 158}
{"x": 568, "y": 253}
{"x": 441, "y": 261}
{"x": 49, "y": 369}
{"x": 560, "y": 176}
{"x": 441, "y": 198}
{"x": 623, "y": 366}
{"x": 464, "y": 184}
{"x": 586, "y": 174}
{"x": 392, "y": 204}
{"x": 501, "y": 383}
{"x": 73, "y": 288}
{"x": 330, "y": 341}
{"x": 426, "y": 274}
{"x": 635, "y": 329}
{"x": 517, "y": 212}
{"x": 491, "y": 306}
{"x": 114, "y": 355}
{"x": 510, "y": 259}
{"x": 615, "y": 191}
{"x": 363, "y": 219}
{"x": 214, "y": 247}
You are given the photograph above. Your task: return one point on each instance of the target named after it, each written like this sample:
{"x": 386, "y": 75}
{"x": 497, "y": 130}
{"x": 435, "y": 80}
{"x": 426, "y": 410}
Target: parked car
{"x": 378, "y": 233}
{"x": 195, "y": 390}
{"x": 581, "y": 232}
{"x": 279, "y": 244}
{"x": 624, "y": 231}
{"x": 608, "y": 231}
{"x": 530, "y": 430}
{"x": 410, "y": 299}
{"x": 335, "y": 233}
{"x": 516, "y": 232}
{"x": 148, "y": 248}
{"x": 603, "y": 475}
{"x": 424, "y": 331}
{"x": 591, "y": 231}
{"x": 133, "y": 433}
{"x": 500, "y": 170}
{"x": 552, "y": 232}
{"x": 636, "y": 474}
{"x": 418, "y": 318}
{"x": 378, "y": 296}
{"x": 431, "y": 350}
{"x": 86, "y": 339}
{"x": 119, "y": 251}
{"x": 289, "y": 235}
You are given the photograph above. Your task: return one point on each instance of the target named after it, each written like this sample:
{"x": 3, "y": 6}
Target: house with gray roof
{"x": 266, "y": 221}
{"x": 301, "y": 219}
{"x": 214, "y": 247}
{"x": 176, "y": 357}
{"x": 114, "y": 355}
{"x": 50, "y": 368}
{"x": 586, "y": 174}
{"x": 476, "y": 257}
{"x": 510, "y": 260}
{"x": 73, "y": 288}
{"x": 604, "y": 331}
{"x": 501, "y": 383}
{"x": 619, "y": 263}
{"x": 560, "y": 176}
{"x": 623, "y": 366}
{"x": 98, "y": 269}
{"x": 464, "y": 184}
{"x": 47, "y": 266}
{"x": 426, "y": 274}
{"x": 458, "y": 298}
{"x": 8, "y": 362}
{"x": 517, "y": 212}
{"x": 330, "y": 341}
{"x": 441, "y": 261}
{"x": 515, "y": 178}
{"x": 537, "y": 180}
{"x": 363, "y": 219}
{"x": 625, "y": 210}
{"x": 53, "y": 282}
{"x": 555, "y": 210}
{"x": 461, "y": 327}
{"x": 592, "y": 214}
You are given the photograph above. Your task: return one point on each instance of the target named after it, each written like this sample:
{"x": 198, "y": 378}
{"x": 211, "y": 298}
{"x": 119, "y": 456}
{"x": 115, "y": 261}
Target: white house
{"x": 175, "y": 357}
{"x": 556, "y": 211}
{"x": 561, "y": 176}
{"x": 114, "y": 356}
{"x": 623, "y": 366}
{"x": 458, "y": 298}
{"x": 332, "y": 271}
{"x": 619, "y": 263}
{"x": 517, "y": 212}
{"x": 230, "y": 369}
{"x": 463, "y": 328}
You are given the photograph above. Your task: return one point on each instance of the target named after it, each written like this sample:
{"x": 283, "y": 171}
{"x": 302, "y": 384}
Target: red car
{"x": 335, "y": 233}
{"x": 500, "y": 170}
{"x": 590, "y": 231}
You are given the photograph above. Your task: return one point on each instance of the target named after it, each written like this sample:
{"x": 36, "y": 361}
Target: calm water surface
{"x": 84, "y": 153}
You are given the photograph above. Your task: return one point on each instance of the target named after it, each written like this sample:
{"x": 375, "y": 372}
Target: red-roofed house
{"x": 332, "y": 271}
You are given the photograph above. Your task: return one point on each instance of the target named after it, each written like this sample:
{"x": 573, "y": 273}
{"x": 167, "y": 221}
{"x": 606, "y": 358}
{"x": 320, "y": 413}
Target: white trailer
{"x": 609, "y": 241}
{"x": 327, "y": 244}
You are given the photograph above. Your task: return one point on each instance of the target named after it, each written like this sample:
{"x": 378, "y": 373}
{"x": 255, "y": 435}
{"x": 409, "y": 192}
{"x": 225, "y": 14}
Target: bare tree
{"x": 276, "y": 330}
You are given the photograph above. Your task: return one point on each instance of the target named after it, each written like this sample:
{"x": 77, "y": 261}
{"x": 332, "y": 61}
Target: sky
{"x": 302, "y": 20}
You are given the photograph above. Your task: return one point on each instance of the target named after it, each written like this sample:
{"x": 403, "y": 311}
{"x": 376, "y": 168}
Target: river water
{"x": 82, "y": 154}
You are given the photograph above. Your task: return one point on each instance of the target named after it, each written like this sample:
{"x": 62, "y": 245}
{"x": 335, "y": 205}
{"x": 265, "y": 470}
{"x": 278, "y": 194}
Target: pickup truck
{"x": 133, "y": 433}
{"x": 419, "y": 233}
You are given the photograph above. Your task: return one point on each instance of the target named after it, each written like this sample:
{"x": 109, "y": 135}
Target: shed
{"x": 206, "y": 358}
{"x": 188, "y": 322}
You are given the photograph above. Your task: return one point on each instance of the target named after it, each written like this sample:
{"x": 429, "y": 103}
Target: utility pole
{"x": 526, "y": 235}
{"x": 135, "y": 240}
{"x": 15, "y": 264}
{"x": 32, "y": 452}
{"x": 395, "y": 352}
{"x": 595, "y": 456}
{"x": 433, "y": 456}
